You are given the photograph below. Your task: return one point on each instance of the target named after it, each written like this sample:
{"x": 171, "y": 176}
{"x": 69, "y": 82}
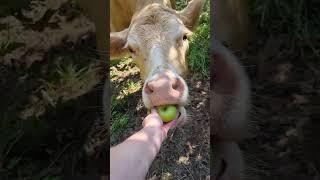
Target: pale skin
{"x": 132, "y": 158}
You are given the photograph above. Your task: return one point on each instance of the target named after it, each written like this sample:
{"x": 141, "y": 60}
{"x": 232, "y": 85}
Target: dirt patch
{"x": 185, "y": 154}
{"x": 286, "y": 90}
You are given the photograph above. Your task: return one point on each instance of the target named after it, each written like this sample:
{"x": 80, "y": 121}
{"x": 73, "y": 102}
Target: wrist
{"x": 156, "y": 135}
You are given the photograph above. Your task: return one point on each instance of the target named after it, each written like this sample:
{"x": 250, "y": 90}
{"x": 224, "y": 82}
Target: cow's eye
{"x": 185, "y": 37}
{"x": 131, "y": 50}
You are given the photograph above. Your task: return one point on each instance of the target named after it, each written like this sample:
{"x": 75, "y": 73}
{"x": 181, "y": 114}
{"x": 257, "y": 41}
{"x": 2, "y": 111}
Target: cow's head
{"x": 157, "y": 40}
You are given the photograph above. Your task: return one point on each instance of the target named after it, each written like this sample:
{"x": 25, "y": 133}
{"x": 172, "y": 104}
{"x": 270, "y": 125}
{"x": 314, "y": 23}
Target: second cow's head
{"x": 157, "y": 40}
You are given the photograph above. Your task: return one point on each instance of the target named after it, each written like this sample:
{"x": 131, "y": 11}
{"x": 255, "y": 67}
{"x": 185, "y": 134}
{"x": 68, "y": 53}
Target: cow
{"x": 156, "y": 37}
{"x": 230, "y": 94}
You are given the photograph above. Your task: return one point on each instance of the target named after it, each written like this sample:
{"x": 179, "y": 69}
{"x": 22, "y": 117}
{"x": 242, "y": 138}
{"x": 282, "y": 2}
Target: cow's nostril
{"x": 148, "y": 89}
{"x": 176, "y": 84}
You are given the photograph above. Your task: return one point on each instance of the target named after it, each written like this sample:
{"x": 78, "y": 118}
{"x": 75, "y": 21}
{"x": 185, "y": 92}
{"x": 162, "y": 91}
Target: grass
{"x": 7, "y": 47}
{"x": 68, "y": 82}
{"x": 198, "y": 55}
{"x": 29, "y": 131}
{"x": 12, "y": 6}
{"x": 299, "y": 19}
{"x": 124, "y": 88}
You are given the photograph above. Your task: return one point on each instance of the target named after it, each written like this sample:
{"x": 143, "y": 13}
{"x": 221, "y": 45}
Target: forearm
{"x": 132, "y": 158}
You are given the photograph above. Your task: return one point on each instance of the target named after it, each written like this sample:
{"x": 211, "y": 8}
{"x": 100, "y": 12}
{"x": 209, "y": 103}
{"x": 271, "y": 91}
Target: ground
{"x": 283, "y": 63}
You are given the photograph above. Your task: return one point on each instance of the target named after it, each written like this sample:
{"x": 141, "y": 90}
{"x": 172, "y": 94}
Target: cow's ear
{"x": 118, "y": 42}
{"x": 191, "y": 13}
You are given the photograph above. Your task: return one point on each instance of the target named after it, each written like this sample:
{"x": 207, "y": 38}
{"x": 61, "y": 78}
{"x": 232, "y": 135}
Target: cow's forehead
{"x": 158, "y": 25}
{"x": 155, "y": 14}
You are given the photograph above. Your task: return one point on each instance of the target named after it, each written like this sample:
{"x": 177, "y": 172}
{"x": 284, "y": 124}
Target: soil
{"x": 285, "y": 82}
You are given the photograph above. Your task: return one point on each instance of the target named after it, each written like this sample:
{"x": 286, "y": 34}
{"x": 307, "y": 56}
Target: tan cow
{"x": 156, "y": 36}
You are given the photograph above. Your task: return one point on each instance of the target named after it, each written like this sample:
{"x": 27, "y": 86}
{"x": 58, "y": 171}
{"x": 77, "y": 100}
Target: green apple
{"x": 167, "y": 112}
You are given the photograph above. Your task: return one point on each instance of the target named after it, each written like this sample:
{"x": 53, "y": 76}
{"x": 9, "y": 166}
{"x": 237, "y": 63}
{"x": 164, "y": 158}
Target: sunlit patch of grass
{"x": 130, "y": 88}
{"x": 121, "y": 69}
{"x": 70, "y": 83}
{"x": 167, "y": 175}
{"x": 119, "y": 72}
{"x": 198, "y": 56}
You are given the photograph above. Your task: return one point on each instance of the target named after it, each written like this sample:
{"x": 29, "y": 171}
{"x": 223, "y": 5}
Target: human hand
{"x": 154, "y": 120}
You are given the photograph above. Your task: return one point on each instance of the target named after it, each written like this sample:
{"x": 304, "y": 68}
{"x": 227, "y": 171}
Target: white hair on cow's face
{"x": 156, "y": 37}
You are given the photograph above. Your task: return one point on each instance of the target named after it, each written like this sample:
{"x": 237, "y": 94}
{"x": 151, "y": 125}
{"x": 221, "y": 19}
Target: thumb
{"x": 153, "y": 111}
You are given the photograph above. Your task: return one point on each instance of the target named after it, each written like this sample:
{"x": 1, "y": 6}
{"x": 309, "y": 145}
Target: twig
{"x": 188, "y": 171}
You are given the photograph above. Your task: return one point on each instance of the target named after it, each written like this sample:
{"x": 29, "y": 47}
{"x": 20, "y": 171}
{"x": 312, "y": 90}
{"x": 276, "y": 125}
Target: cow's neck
{"x": 121, "y": 11}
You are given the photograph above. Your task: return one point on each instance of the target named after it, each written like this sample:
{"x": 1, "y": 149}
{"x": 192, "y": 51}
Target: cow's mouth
{"x": 181, "y": 114}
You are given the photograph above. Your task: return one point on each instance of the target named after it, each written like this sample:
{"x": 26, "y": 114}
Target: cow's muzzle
{"x": 166, "y": 88}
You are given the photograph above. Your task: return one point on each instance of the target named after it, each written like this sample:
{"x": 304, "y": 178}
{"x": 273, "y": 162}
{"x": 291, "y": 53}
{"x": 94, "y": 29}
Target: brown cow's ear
{"x": 118, "y": 41}
{"x": 191, "y": 13}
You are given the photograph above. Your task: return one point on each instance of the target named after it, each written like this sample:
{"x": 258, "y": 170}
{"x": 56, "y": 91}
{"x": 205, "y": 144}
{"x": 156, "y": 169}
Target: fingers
{"x": 153, "y": 119}
{"x": 154, "y": 111}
